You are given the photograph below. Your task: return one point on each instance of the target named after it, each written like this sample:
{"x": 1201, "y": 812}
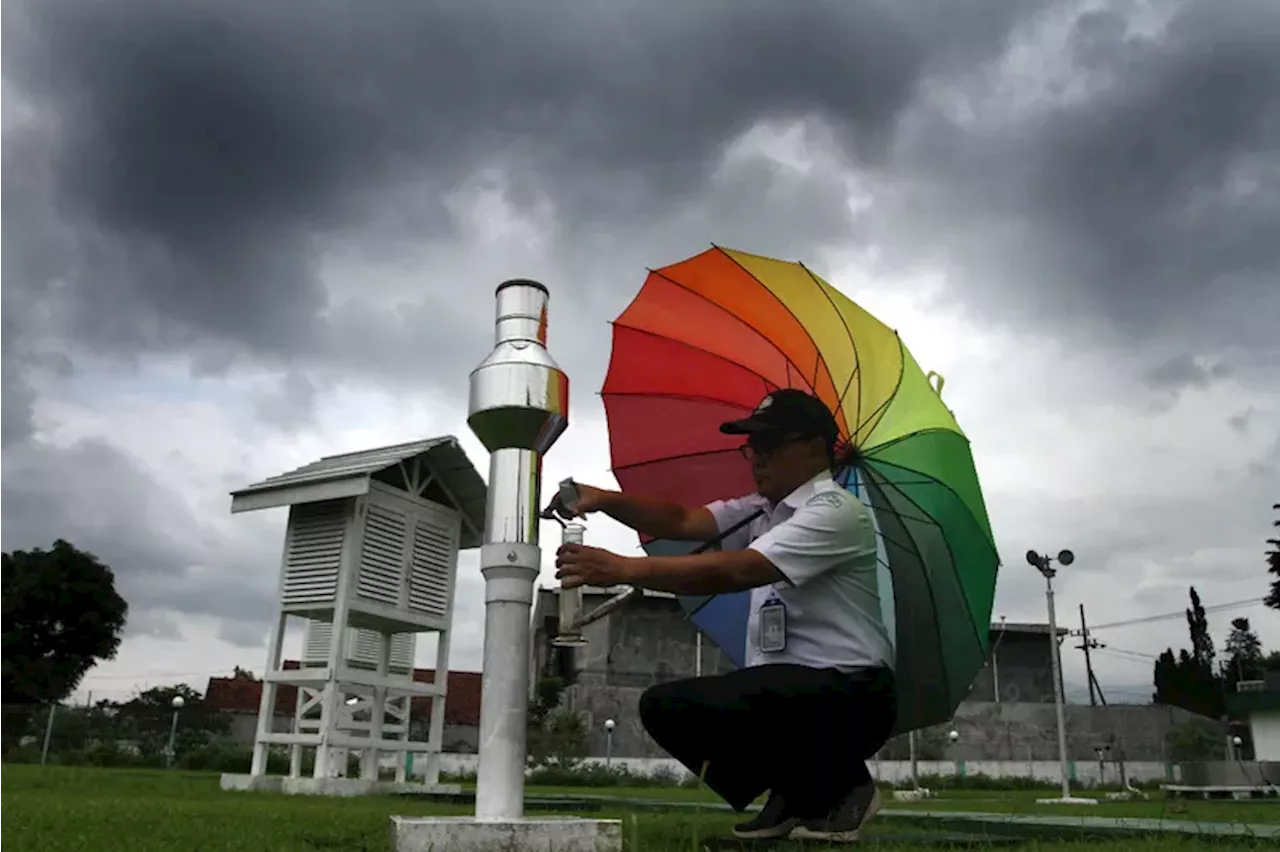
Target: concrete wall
{"x": 1085, "y": 773}
{"x": 1003, "y": 732}
{"x": 1029, "y": 732}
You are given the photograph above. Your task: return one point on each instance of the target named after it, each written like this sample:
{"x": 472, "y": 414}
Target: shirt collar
{"x": 797, "y": 498}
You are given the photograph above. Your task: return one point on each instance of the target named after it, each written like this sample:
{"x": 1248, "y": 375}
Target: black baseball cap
{"x": 787, "y": 410}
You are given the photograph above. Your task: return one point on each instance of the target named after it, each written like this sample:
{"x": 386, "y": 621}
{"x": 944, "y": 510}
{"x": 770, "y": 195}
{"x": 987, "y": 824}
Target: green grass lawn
{"x": 69, "y": 809}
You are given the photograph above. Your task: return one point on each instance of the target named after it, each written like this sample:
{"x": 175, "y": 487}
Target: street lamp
{"x": 176, "y": 703}
{"x": 1044, "y": 564}
{"x": 609, "y": 725}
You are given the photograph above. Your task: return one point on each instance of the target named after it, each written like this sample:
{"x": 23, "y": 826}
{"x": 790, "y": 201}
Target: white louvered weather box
{"x": 402, "y": 554}
{"x": 360, "y": 649}
{"x": 370, "y": 553}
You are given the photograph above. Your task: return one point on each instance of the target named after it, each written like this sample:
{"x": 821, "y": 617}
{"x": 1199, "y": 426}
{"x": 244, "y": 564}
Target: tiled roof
{"x": 461, "y": 707}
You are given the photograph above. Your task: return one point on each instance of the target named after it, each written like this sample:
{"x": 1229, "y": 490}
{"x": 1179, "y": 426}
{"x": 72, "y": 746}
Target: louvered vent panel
{"x": 432, "y": 561}
{"x": 366, "y": 645}
{"x": 403, "y": 646}
{"x": 315, "y": 649}
{"x": 382, "y": 555}
{"x": 363, "y": 648}
{"x": 314, "y": 552}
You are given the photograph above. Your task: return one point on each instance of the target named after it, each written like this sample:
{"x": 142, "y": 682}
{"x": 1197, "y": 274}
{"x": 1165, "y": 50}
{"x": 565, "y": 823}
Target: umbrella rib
{"x": 933, "y": 602}
{"x": 664, "y": 459}
{"x": 967, "y": 605}
{"x": 868, "y": 453}
{"x": 732, "y": 315}
{"x": 902, "y": 371}
{"x": 857, "y": 357}
{"x": 786, "y": 308}
{"x": 931, "y": 480}
{"x": 708, "y": 352}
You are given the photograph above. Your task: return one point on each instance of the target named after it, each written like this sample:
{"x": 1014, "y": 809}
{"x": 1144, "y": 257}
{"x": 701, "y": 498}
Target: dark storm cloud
{"x": 205, "y": 146}
{"x": 183, "y": 166}
{"x": 1147, "y": 208}
{"x": 162, "y": 554}
{"x": 1185, "y": 371}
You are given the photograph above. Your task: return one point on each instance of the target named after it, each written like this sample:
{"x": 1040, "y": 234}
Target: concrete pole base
{"x": 1066, "y": 800}
{"x": 527, "y": 834}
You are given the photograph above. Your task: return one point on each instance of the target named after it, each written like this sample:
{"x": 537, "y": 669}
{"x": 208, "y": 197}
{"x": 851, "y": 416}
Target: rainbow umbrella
{"x": 703, "y": 341}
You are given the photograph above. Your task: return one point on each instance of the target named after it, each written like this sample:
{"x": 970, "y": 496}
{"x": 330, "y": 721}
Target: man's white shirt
{"x": 822, "y": 539}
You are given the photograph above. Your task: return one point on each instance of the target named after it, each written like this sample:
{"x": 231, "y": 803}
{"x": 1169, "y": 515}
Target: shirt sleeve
{"x": 831, "y": 528}
{"x": 730, "y": 512}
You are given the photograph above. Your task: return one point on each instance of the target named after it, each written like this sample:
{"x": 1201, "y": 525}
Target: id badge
{"x": 773, "y": 627}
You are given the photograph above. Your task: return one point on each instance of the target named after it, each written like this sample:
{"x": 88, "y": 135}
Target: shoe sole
{"x": 802, "y": 832}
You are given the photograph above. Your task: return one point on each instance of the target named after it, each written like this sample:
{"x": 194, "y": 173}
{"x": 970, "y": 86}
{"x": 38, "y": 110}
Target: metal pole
{"x": 1088, "y": 661}
{"x": 915, "y": 763}
{"x": 608, "y": 749}
{"x": 173, "y": 737}
{"x": 48, "y": 734}
{"x": 995, "y": 672}
{"x": 1057, "y": 683}
{"x": 697, "y": 660}
{"x": 518, "y": 408}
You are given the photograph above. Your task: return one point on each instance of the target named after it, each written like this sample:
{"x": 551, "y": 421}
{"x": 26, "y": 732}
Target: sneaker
{"x": 842, "y": 824}
{"x": 772, "y": 823}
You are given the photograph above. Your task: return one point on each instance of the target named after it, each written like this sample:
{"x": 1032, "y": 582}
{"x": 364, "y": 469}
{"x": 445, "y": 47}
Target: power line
{"x": 154, "y": 675}
{"x": 1128, "y": 656}
{"x": 1182, "y": 613}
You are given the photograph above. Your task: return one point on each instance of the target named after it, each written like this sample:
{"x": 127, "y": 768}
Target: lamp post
{"x": 1044, "y": 564}
{"x": 173, "y": 726}
{"x": 609, "y": 725}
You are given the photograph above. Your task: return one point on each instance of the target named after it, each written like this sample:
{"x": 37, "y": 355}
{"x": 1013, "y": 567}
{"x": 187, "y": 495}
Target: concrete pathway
{"x": 1096, "y": 824}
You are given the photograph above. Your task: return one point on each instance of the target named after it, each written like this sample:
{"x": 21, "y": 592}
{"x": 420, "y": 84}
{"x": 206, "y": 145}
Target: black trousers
{"x": 803, "y": 733}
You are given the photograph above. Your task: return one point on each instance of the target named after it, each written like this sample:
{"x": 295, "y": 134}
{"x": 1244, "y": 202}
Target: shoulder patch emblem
{"x": 832, "y": 499}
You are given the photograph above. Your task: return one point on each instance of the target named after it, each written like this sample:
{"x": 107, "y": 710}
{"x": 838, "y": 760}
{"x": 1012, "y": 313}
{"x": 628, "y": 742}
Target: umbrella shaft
{"x": 622, "y": 597}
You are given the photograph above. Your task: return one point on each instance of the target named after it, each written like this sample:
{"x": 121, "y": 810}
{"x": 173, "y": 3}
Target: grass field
{"x": 70, "y": 809}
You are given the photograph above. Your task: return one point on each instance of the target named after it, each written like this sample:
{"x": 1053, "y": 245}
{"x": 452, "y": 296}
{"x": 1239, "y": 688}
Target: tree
{"x": 1201, "y": 643}
{"x": 1243, "y": 652}
{"x": 1273, "y": 567}
{"x": 148, "y": 717}
{"x": 1189, "y": 680}
{"x": 61, "y": 616}
{"x": 1194, "y": 739}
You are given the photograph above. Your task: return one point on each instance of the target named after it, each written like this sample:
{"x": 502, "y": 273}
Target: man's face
{"x": 776, "y": 458}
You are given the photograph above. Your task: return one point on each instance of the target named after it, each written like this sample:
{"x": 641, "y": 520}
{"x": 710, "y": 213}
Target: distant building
{"x": 1258, "y": 702}
{"x": 239, "y": 699}
{"x": 1020, "y": 667}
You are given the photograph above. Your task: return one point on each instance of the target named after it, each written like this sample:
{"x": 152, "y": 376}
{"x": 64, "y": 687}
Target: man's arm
{"x": 658, "y": 518}
{"x": 702, "y": 573}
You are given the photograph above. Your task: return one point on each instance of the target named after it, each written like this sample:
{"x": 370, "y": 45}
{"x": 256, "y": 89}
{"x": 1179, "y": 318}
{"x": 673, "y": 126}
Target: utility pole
{"x": 1085, "y": 645}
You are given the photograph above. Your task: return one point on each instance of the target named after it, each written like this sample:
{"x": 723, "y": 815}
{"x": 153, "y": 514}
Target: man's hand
{"x": 579, "y": 565}
{"x": 590, "y": 499}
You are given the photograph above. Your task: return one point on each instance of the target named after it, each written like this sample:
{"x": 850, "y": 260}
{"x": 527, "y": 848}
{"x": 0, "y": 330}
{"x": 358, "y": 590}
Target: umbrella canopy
{"x": 703, "y": 341}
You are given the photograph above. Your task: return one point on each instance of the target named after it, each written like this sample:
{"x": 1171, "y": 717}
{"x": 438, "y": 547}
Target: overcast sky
{"x": 241, "y": 235}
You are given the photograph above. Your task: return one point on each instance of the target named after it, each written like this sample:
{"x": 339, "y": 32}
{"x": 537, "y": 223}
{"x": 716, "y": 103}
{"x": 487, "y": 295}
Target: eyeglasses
{"x": 763, "y": 449}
